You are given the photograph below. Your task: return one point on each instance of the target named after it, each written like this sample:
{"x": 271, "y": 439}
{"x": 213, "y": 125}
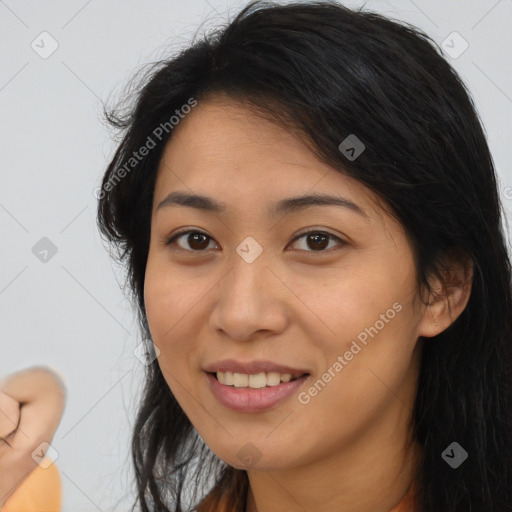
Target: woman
{"x": 348, "y": 350}
{"x": 397, "y": 330}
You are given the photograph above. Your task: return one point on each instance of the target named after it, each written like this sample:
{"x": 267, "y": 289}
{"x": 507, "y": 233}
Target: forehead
{"x": 226, "y": 150}
{"x": 222, "y": 135}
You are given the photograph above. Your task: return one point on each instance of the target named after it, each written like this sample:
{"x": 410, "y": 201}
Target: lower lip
{"x": 253, "y": 400}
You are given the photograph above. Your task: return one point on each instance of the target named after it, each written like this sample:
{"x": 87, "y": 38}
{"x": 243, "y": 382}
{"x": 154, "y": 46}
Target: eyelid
{"x": 306, "y": 231}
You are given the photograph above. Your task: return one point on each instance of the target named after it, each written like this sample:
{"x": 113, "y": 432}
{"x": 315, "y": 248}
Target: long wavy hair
{"x": 325, "y": 72}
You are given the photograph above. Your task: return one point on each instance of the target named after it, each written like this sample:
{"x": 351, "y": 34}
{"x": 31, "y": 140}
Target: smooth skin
{"x": 32, "y": 402}
{"x": 296, "y": 304}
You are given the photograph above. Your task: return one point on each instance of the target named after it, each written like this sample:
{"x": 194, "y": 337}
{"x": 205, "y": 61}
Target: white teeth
{"x": 273, "y": 378}
{"x": 240, "y": 380}
{"x": 257, "y": 380}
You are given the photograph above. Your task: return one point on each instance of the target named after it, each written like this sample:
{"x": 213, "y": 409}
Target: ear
{"x": 449, "y": 295}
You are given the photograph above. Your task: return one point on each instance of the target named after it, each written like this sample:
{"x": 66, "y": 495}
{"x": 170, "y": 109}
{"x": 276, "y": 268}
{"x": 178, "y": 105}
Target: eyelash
{"x": 172, "y": 240}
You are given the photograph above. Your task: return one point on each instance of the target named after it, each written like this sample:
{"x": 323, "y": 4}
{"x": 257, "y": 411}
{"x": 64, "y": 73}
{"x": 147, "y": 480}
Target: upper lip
{"x": 253, "y": 367}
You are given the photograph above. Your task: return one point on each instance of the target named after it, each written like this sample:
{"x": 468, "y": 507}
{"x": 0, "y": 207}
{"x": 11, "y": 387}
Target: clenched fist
{"x": 31, "y": 405}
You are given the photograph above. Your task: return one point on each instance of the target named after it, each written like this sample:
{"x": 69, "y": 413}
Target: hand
{"x": 32, "y": 402}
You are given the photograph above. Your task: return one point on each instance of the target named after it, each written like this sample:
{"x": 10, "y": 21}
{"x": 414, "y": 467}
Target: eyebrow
{"x": 282, "y": 207}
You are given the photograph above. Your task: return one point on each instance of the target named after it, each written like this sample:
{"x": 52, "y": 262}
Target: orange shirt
{"x": 40, "y": 492}
{"x": 407, "y": 503}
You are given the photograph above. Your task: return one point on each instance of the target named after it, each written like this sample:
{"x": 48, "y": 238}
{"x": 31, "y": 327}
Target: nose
{"x": 250, "y": 301}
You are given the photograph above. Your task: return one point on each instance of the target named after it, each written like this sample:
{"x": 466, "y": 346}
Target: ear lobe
{"x": 448, "y": 297}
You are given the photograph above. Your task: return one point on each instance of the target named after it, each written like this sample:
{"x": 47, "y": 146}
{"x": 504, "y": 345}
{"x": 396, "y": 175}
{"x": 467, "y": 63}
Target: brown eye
{"x": 197, "y": 241}
{"x": 317, "y": 241}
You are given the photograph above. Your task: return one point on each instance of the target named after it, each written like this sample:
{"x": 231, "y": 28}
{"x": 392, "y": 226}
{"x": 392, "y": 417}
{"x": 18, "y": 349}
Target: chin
{"x": 248, "y": 457}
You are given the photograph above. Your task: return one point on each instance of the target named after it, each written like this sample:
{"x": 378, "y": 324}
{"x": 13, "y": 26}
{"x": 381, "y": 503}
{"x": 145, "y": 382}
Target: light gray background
{"x": 70, "y": 312}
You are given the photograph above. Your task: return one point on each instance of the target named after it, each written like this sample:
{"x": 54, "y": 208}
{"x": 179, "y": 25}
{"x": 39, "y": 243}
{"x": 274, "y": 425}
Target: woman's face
{"x": 340, "y": 304}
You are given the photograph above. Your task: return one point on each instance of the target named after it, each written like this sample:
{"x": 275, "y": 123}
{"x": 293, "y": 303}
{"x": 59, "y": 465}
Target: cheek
{"x": 366, "y": 369}
{"x": 166, "y": 314}
{"x": 369, "y": 320}
{"x": 172, "y": 302}
{"x": 164, "y": 309}
{"x": 351, "y": 300}
{"x": 168, "y": 297}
